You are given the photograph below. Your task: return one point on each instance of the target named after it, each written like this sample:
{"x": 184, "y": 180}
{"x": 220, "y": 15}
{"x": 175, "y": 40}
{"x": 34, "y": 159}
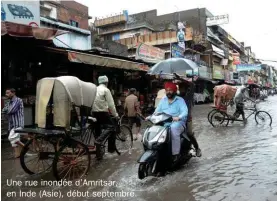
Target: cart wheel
{"x": 210, "y": 115}
{"x": 72, "y": 161}
{"x": 37, "y": 156}
{"x": 219, "y": 119}
{"x": 124, "y": 139}
{"x": 262, "y": 117}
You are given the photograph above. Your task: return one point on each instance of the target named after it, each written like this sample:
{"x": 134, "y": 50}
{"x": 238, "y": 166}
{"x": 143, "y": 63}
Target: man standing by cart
{"x": 15, "y": 111}
{"x": 131, "y": 107}
{"x": 102, "y": 107}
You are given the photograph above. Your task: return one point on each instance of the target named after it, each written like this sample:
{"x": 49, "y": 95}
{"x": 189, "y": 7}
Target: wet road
{"x": 239, "y": 163}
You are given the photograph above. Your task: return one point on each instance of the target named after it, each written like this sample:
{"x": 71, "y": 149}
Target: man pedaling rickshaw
{"x": 175, "y": 106}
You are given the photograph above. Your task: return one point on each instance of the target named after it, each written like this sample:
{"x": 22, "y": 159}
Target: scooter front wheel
{"x": 142, "y": 171}
{"x": 147, "y": 169}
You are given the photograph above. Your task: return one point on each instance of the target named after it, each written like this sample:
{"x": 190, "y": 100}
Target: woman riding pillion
{"x": 175, "y": 106}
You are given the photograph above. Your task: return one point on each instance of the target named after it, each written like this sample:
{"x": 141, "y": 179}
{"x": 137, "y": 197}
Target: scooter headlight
{"x": 162, "y": 137}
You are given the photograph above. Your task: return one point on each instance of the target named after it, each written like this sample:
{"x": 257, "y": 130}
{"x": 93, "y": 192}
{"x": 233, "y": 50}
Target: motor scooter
{"x": 157, "y": 157}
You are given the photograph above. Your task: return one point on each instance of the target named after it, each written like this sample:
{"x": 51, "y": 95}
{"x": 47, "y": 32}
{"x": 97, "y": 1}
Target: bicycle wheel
{"x": 219, "y": 119}
{"x": 72, "y": 160}
{"x": 263, "y": 117}
{"x": 37, "y": 155}
{"x": 124, "y": 139}
{"x": 210, "y": 115}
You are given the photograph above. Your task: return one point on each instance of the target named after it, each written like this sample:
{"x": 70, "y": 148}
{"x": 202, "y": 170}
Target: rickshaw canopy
{"x": 225, "y": 91}
{"x": 67, "y": 91}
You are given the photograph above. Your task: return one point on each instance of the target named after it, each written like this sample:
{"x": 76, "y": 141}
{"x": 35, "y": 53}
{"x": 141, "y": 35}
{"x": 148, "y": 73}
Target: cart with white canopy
{"x": 62, "y": 106}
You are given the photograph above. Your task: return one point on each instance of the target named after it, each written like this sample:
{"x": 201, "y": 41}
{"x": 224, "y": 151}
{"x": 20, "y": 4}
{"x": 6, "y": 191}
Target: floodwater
{"x": 239, "y": 163}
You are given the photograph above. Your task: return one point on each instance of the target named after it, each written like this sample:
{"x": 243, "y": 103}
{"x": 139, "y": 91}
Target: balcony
{"x": 124, "y": 27}
{"x": 118, "y": 19}
{"x": 153, "y": 39}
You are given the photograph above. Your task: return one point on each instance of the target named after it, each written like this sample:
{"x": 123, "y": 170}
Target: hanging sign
{"x": 181, "y": 35}
{"x": 177, "y": 51}
{"x": 149, "y": 53}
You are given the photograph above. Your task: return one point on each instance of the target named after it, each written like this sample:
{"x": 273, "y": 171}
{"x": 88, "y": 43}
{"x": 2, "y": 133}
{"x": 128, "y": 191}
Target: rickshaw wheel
{"x": 72, "y": 161}
{"x": 124, "y": 139}
{"x": 210, "y": 115}
{"x": 37, "y": 155}
{"x": 219, "y": 119}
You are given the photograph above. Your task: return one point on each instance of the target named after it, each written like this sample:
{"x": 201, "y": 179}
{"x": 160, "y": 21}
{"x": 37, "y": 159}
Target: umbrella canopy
{"x": 173, "y": 65}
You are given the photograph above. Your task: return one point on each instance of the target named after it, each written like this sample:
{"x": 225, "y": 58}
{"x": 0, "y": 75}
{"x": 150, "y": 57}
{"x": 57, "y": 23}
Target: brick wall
{"x": 71, "y": 10}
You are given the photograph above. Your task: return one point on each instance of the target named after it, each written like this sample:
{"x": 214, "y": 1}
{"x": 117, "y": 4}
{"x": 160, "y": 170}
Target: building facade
{"x": 70, "y": 16}
{"x": 210, "y": 46}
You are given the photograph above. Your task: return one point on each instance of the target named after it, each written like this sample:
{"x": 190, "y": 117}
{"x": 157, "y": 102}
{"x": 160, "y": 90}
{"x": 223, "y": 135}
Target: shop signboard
{"x": 177, "y": 51}
{"x": 218, "y": 72}
{"x": 248, "y": 67}
{"x": 236, "y": 58}
{"x": 217, "y": 20}
{"x": 21, "y": 12}
{"x": 149, "y": 53}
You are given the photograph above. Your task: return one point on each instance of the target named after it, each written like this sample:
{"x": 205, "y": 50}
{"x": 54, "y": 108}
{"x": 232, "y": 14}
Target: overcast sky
{"x": 252, "y": 22}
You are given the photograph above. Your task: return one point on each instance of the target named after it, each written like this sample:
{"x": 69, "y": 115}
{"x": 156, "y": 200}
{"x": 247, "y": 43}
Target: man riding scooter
{"x": 175, "y": 106}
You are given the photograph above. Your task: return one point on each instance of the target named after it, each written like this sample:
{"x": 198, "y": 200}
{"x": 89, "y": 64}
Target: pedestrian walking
{"x": 15, "y": 110}
{"x": 132, "y": 108}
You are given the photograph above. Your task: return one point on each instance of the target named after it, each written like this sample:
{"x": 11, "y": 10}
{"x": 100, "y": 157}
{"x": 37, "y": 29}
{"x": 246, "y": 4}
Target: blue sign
{"x": 248, "y": 67}
{"x": 125, "y": 13}
{"x": 177, "y": 51}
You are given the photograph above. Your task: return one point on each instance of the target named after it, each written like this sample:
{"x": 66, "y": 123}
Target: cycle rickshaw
{"x": 225, "y": 96}
{"x": 64, "y": 131}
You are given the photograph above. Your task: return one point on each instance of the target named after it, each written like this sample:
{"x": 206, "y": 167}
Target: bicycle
{"x": 123, "y": 134}
{"x": 219, "y": 116}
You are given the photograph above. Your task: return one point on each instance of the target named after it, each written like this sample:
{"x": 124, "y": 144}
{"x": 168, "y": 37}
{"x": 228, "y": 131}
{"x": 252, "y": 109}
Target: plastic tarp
{"x": 225, "y": 91}
{"x": 21, "y": 30}
{"x": 67, "y": 90}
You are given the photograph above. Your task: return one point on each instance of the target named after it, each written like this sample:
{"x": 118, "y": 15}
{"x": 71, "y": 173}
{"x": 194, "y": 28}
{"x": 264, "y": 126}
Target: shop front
{"x": 30, "y": 55}
{"x": 204, "y": 85}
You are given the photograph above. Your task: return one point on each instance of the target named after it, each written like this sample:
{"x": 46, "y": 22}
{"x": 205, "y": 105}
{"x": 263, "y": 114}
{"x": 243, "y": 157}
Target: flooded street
{"x": 239, "y": 163}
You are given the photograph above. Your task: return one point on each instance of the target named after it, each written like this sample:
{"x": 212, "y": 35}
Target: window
{"x": 74, "y": 23}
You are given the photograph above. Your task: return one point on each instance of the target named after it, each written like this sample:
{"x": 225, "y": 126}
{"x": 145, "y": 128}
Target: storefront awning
{"x": 218, "y": 51}
{"x": 97, "y": 60}
{"x": 21, "y": 30}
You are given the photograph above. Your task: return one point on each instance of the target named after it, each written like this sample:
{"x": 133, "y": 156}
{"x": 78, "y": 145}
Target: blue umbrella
{"x": 173, "y": 65}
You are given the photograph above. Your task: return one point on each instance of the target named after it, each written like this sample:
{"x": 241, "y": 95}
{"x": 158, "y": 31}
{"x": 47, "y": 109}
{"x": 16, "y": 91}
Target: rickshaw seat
{"x": 40, "y": 131}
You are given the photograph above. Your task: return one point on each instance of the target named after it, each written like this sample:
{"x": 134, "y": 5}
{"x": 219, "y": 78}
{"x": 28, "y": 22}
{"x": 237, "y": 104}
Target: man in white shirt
{"x": 103, "y": 106}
